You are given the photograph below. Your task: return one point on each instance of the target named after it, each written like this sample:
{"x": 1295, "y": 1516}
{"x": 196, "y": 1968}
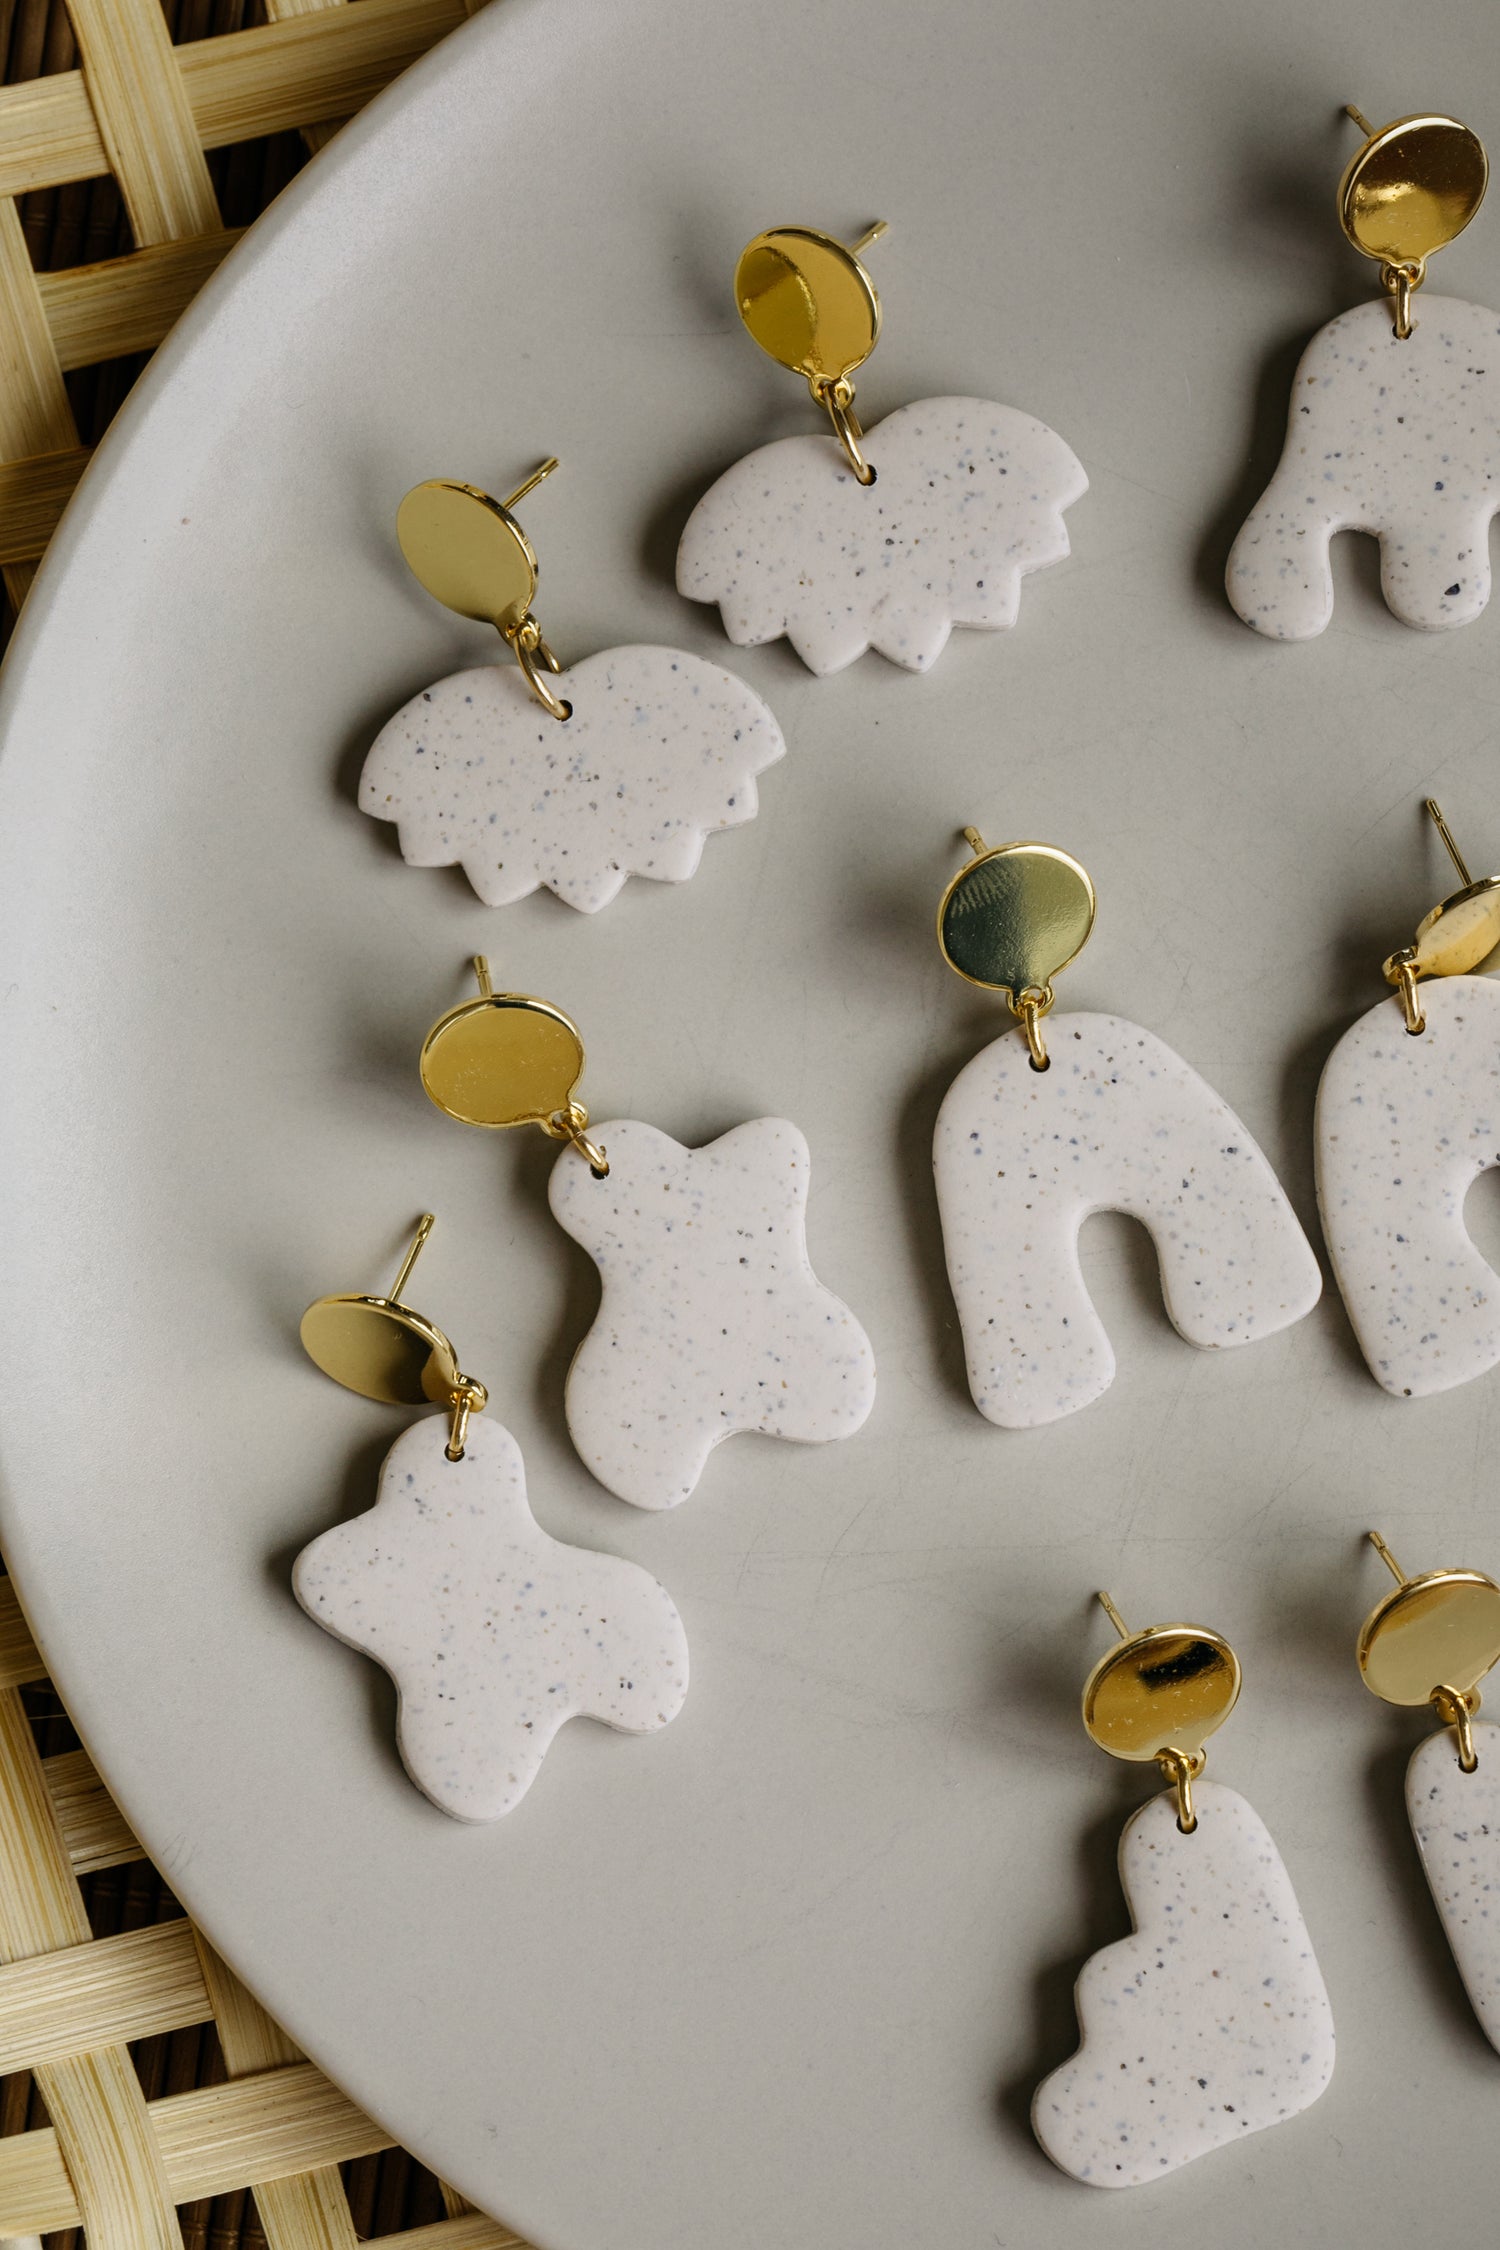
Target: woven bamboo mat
{"x": 146, "y": 2101}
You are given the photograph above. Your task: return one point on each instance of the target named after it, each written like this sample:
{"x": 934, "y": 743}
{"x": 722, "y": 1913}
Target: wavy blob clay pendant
{"x": 711, "y": 1319}
{"x": 882, "y": 539}
{"x": 494, "y": 1633}
{"x": 621, "y": 768}
{"x": 1408, "y": 1116}
{"x": 1035, "y": 1134}
{"x": 1431, "y": 1642}
{"x": 1211, "y": 2020}
{"x": 1394, "y": 426}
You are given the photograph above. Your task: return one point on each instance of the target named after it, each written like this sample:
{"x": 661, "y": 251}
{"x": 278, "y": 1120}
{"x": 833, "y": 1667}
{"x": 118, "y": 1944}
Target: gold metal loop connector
{"x": 1455, "y": 937}
{"x": 471, "y": 554}
{"x": 508, "y": 1058}
{"x": 1432, "y": 1640}
{"x": 810, "y": 305}
{"x": 386, "y": 1350}
{"x": 1182, "y": 1770}
{"x": 1031, "y": 1006}
{"x": 1408, "y": 192}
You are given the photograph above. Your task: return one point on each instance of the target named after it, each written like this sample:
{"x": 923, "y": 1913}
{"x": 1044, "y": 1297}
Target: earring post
{"x": 1360, "y": 120}
{"x": 871, "y": 234}
{"x": 975, "y": 842}
{"x": 1434, "y": 813}
{"x": 419, "y": 1243}
{"x": 1387, "y": 1557}
{"x": 1113, "y": 1615}
{"x": 482, "y": 974}
{"x": 531, "y": 483}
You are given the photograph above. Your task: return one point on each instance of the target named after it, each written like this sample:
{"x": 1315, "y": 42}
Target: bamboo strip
{"x": 35, "y": 416}
{"x": 278, "y": 11}
{"x": 20, "y": 1665}
{"x": 271, "y": 79}
{"x": 145, "y": 123}
{"x": 472, "y": 2232}
{"x": 126, "y": 304}
{"x": 102, "y": 1994}
{"x": 93, "y": 1827}
{"x": 33, "y": 494}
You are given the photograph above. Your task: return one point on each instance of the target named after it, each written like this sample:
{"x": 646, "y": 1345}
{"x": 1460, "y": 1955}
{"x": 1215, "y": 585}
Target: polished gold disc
{"x": 468, "y": 551}
{"x": 1015, "y": 916}
{"x": 1411, "y": 188}
{"x": 1456, "y": 936}
{"x": 808, "y": 302}
{"x": 381, "y": 1349}
{"x": 1168, "y": 1688}
{"x": 503, "y": 1060}
{"x": 1439, "y": 1630}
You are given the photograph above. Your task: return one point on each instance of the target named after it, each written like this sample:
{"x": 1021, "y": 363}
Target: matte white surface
{"x": 1116, "y": 1122}
{"x": 1208, "y": 2024}
{"x": 968, "y": 496}
{"x": 1455, "y": 1817}
{"x": 661, "y": 751}
{"x": 711, "y": 1319}
{"x": 1394, "y": 435}
{"x": 494, "y": 1634}
{"x": 788, "y": 1973}
{"x": 1406, "y": 1122}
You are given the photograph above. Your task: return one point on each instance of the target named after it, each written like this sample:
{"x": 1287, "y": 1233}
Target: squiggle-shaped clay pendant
{"x": 968, "y": 497}
{"x": 661, "y": 751}
{"x": 1118, "y": 1122}
{"x": 494, "y": 1633}
{"x": 1399, "y": 437}
{"x": 1210, "y": 2022}
{"x": 1405, "y": 1125}
{"x": 1455, "y": 1817}
{"x": 712, "y": 1319}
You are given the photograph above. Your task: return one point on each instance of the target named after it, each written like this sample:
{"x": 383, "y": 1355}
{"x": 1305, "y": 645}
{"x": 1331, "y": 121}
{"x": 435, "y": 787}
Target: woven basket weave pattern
{"x": 145, "y": 2098}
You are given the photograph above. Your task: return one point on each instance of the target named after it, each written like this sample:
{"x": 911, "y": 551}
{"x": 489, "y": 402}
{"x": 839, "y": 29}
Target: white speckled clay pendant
{"x": 494, "y": 1633}
{"x": 1034, "y": 1135}
{"x": 882, "y": 539}
{"x": 646, "y": 752}
{"x": 1408, "y": 1116}
{"x": 1395, "y": 419}
{"x": 1211, "y": 2021}
{"x": 1432, "y": 1641}
{"x": 712, "y": 1320}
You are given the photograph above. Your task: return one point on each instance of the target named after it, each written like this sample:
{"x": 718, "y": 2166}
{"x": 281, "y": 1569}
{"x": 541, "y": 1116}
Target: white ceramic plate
{"x": 786, "y": 1974}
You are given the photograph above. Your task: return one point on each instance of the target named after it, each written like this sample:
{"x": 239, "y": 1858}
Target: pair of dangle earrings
{"x": 1394, "y": 426}
{"x": 573, "y": 780}
{"x": 1211, "y": 2020}
{"x": 711, "y": 1321}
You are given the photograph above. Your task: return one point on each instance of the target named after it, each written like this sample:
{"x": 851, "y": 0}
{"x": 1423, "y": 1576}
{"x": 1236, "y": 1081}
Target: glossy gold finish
{"x": 809, "y": 304}
{"x": 1011, "y": 920}
{"x": 1158, "y": 1695}
{"x": 1432, "y": 1641}
{"x": 1411, "y": 189}
{"x": 383, "y": 1349}
{"x": 507, "y": 1058}
{"x": 1454, "y": 938}
{"x": 471, "y": 554}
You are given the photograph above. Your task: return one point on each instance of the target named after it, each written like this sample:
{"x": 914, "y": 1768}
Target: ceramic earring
{"x": 1395, "y": 417}
{"x": 1211, "y": 2021}
{"x": 624, "y": 768}
{"x": 883, "y": 539}
{"x": 494, "y": 1633}
{"x": 1096, "y": 1115}
{"x": 711, "y": 1319}
{"x": 1432, "y": 1641}
{"x": 1406, "y": 1121}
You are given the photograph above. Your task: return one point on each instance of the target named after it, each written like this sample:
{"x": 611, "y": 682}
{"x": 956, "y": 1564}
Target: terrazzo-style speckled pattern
{"x": 662, "y": 749}
{"x": 968, "y": 496}
{"x": 1404, "y": 1127}
{"x": 1210, "y": 2023}
{"x": 1398, "y": 437}
{"x": 1455, "y": 1817}
{"x": 493, "y": 1633}
{"x": 1117, "y": 1123}
{"x": 711, "y": 1319}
